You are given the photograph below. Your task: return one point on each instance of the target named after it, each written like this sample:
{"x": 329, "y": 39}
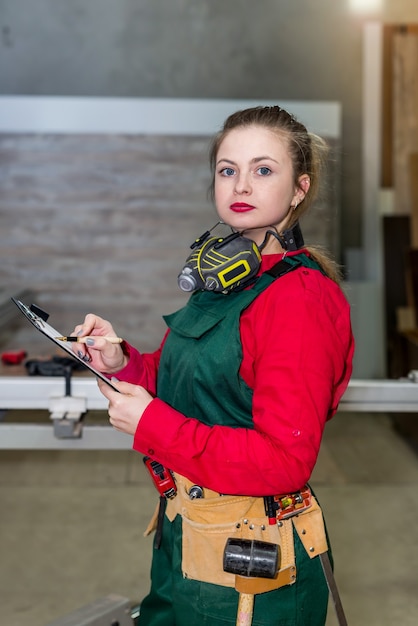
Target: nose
{"x": 242, "y": 184}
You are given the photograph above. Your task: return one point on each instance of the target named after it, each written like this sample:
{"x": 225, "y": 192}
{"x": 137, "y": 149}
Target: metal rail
{"x": 71, "y": 431}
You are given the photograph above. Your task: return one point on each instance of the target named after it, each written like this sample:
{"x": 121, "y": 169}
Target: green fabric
{"x": 204, "y": 345}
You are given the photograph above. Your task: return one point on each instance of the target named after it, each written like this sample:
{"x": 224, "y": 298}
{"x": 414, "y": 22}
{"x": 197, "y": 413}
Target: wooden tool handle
{"x": 245, "y": 609}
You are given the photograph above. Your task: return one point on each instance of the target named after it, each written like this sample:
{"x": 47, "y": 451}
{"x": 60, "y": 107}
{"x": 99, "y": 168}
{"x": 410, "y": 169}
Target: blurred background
{"x": 106, "y": 114}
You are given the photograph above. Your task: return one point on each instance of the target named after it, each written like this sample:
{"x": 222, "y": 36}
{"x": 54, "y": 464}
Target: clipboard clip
{"x": 34, "y": 313}
{"x": 38, "y": 312}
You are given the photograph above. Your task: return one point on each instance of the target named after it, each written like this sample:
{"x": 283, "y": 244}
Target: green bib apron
{"x": 199, "y": 376}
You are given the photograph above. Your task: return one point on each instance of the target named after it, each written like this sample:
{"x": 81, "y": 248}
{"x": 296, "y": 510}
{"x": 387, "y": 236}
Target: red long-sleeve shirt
{"x": 297, "y": 357}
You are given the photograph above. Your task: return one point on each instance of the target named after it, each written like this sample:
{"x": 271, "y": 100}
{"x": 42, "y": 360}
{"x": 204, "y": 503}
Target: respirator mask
{"x": 231, "y": 263}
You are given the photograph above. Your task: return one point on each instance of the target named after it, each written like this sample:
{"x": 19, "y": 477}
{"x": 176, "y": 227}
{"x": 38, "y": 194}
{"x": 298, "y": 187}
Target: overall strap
{"x": 289, "y": 263}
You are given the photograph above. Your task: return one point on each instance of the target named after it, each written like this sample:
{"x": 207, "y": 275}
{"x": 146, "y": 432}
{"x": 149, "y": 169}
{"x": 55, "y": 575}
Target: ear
{"x": 304, "y": 183}
{"x": 302, "y": 188}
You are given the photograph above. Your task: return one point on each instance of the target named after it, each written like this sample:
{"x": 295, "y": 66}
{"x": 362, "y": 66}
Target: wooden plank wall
{"x": 104, "y": 223}
{"x": 405, "y": 130}
{"x": 399, "y": 111}
{"x": 400, "y": 150}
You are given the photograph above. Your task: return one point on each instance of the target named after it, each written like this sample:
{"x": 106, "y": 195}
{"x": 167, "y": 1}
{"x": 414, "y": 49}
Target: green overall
{"x": 199, "y": 376}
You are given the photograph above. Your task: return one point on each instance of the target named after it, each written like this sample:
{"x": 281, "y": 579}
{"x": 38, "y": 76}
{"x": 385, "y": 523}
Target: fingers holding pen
{"x": 95, "y": 341}
{"x": 92, "y": 325}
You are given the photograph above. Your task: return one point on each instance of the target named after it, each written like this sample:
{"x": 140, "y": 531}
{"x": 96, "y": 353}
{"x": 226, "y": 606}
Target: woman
{"x": 235, "y": 400}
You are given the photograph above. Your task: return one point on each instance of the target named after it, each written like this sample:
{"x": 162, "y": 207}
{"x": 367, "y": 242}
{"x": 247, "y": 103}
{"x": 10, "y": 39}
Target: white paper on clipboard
{"x": 52, "y": 334}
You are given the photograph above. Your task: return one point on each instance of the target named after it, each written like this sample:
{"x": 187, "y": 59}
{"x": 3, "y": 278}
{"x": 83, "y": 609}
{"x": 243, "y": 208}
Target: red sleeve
{"x": 141, "y": 369}
{"x": 298, "y": 349}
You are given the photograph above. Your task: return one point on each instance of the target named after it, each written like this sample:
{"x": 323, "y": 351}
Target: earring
{"x": 294, "y": 207}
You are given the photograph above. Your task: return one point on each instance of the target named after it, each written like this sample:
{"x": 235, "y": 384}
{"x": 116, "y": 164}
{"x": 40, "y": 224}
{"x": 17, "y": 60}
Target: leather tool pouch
{"x": 210, "y": 521}
{"x": 310, "y": 527}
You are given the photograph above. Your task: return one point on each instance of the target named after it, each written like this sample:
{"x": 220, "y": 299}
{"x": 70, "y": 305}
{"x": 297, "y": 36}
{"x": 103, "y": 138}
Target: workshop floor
{"x": 71, "y": 526}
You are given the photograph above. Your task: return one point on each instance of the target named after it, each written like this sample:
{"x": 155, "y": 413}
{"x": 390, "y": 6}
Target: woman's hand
{"x": 125, "y": 408}
{"x": 104, "y": 356}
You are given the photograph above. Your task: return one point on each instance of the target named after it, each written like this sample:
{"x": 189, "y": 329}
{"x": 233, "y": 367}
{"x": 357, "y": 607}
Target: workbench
{"x": 77, "y": 421}
{"x": 72, "y": 414}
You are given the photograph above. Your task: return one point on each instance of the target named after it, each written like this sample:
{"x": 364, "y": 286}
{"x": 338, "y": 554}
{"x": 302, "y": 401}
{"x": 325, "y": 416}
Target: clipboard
{"x": 38, "y": 318}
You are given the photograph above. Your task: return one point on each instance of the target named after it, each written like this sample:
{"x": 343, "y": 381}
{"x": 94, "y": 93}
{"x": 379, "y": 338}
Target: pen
{"x": 83, "y": 339}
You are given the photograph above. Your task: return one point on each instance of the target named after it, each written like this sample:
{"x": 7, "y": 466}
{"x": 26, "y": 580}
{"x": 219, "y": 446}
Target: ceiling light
{"x": 363, "y": 6}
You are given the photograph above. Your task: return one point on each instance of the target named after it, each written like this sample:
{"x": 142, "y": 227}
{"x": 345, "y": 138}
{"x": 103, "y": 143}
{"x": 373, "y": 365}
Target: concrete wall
{"x": 288, "y": 50}
{"x": 103, "y": 221}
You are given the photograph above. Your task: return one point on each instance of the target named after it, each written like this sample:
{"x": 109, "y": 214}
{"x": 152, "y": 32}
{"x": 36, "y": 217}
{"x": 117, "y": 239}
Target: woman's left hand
{"x": 125, "y": 408}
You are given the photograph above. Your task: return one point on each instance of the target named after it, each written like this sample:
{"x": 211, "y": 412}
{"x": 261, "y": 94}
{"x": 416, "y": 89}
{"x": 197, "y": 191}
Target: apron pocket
{"x": 202, "y": 551}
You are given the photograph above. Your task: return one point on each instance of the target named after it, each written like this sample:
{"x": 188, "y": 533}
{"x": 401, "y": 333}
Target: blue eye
{"x": 227, "y": 171}
{"x": 264, "y": 171}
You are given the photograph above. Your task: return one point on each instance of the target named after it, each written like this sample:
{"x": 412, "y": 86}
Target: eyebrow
{"x": 255, "y": 160}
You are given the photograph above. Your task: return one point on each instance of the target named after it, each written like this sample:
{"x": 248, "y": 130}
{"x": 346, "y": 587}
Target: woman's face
{"x": 254, "y": 181}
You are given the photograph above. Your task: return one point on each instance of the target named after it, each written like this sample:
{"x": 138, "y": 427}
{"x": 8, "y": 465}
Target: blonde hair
{"x": 307, "y": 152}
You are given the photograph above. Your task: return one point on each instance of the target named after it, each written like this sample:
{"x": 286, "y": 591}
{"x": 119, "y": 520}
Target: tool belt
{"x": 208, "y": 521}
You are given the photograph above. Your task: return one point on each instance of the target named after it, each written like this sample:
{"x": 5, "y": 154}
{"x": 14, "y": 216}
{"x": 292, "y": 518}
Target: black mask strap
{"x": 290, "y": 239}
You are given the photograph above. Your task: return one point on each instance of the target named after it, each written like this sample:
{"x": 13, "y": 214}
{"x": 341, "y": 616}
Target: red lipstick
{"x": 241, "y": 207}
